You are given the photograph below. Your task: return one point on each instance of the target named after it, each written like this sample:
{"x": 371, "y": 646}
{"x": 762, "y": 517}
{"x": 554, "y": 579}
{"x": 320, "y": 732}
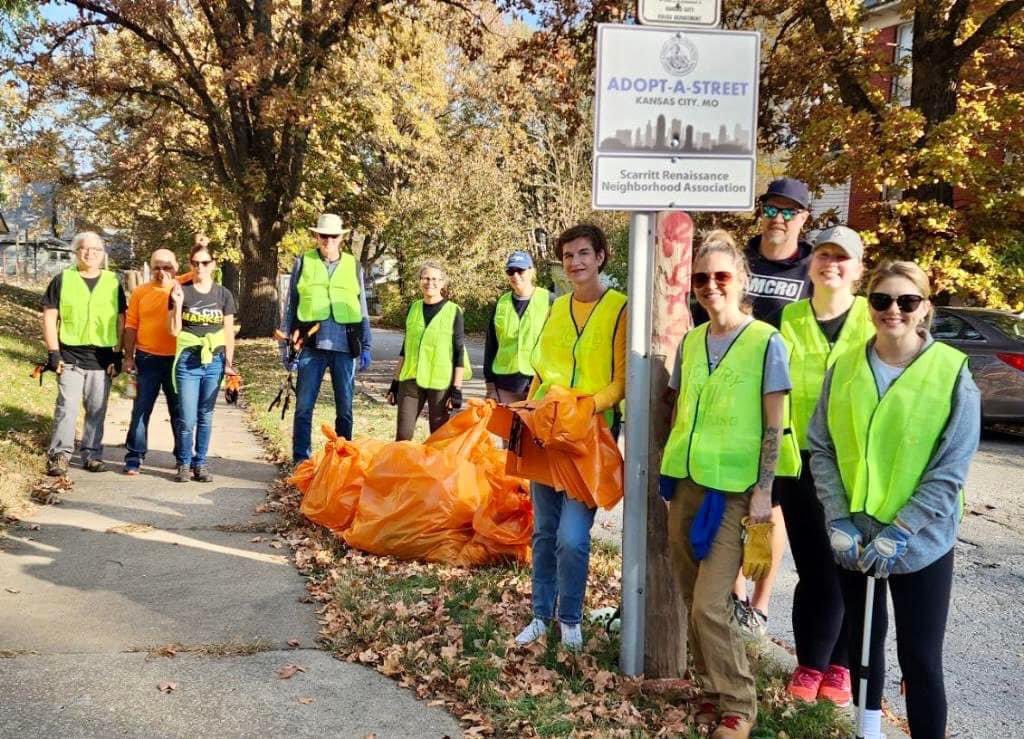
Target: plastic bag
{"x": 332, "y": 494}
{"x": 502, "y": 528}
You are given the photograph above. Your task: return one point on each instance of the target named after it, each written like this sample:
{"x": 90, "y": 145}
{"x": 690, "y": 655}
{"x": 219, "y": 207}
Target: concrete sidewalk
{"x": 126, "y": 565}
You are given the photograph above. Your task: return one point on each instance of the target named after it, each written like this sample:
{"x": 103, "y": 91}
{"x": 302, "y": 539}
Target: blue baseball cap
{"x": 519, "y": 260}
{"x": 789, "y": 188}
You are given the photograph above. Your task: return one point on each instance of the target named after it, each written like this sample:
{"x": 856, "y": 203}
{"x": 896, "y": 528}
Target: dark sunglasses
{"x": 702, "y": 279}
{"x": 514, "y": 271}
{"x": 202, "y": 263}
{"x": 770, "y": 211}
{"x": 164, "y": 268}
{"x": 906, "y": 303}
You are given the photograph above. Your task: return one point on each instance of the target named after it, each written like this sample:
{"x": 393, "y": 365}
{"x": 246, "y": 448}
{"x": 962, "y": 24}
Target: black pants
{"x": 819, "y": 628}
{"x": 411, "y": 399}
{"x": 920, "y": 604}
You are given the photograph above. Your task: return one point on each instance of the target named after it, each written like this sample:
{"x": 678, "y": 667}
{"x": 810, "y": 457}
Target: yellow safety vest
{"x": 810, "y": 354}
{"x": 428, "y": 348}
{"x": 208, "y": 344}
{"x": 88, "y": 317}
{"x": 322, "y": 296}
{"x": 883, "y": 445}
{"x": 718, "y": 431}
{"x": 579, "y": 357}
{"x": 518, "y": 335}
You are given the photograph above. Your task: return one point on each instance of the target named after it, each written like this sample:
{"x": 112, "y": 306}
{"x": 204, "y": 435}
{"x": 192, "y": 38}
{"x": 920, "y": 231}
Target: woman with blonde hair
{"x": 717, "y": 472}
{"x": 433, "y": 361}
{"x": 891, "y": 441}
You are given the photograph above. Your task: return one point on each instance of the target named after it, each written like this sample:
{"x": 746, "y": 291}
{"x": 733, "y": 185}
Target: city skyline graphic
{"x": 661, "y": 136}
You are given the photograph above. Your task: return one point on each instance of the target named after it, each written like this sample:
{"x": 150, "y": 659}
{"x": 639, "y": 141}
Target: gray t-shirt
{"x": 776, "y": 368}
{"x": 885, "y": 374}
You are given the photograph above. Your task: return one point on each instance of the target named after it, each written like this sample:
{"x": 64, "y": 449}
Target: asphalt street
{"x": 984, "y": 651}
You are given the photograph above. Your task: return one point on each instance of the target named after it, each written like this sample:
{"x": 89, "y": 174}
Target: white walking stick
{"x": 865, "y": 655}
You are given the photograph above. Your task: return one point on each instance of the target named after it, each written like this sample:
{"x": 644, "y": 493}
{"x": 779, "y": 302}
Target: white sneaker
{"x": 533, "y": 631}
{"x": 572, "y": 637}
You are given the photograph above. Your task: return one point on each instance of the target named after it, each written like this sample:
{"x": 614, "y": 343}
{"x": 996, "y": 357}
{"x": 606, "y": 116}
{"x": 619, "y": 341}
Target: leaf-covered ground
{"x": 447, "y": 632}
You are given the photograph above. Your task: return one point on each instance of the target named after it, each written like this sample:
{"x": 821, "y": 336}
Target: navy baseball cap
{"x": 789, "y": 188}
{"x": 519, "y": 260}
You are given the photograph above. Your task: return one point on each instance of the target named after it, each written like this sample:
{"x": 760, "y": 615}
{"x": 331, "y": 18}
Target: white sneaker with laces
{"x": 533, "y": 631}
{"x": 572, "y": 637}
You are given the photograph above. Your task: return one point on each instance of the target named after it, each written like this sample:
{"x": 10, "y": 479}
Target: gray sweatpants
{"x": 75, "y": 386}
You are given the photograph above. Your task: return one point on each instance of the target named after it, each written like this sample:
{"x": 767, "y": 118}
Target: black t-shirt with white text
{"x": 203, "y": 313}
{"x": 83, "y": 357}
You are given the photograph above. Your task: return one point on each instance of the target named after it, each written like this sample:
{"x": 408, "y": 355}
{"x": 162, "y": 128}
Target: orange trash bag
{"x": 333, "y": 492}
{"x": 303, "y": 473}
{"x": 417, "y": 503}
{"x": 502, "y": 528}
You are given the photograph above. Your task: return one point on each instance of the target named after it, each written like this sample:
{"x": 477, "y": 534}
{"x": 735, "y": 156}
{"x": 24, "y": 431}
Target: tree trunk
{"x": 258, "y": 303}
{"x": 665, "y": 645}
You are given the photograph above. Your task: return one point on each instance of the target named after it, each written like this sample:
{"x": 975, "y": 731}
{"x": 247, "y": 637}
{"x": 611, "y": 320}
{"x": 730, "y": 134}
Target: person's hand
{"x": 54, "y": 363}
{"x": 845, "y": 540}
{"x": 455, "y": 398}
{"x": 757, "y": 548}
{"x": 114, "y": 368}
{"x": 229, "y": 370}
{"x": 128, "y": 364}
{"x": 177, "y": 294}
{"x": 392, "y": 396}
{"x": 364, "y": 359}
{"x": 885, "y": 550}
{"x": 491, "y": 392}
{"x": 667, "y": 487}
{"x": 760, "y": 508}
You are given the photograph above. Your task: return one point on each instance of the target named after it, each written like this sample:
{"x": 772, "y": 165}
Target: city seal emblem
{"x": 679, "y": 56}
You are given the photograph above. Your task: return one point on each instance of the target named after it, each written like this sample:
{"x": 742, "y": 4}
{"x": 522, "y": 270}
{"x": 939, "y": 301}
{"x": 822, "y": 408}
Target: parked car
{"x": 994, "y": 342}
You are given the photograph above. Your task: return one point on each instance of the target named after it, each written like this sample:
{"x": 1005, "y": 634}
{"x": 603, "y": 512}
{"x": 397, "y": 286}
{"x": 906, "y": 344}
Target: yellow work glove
{"x": 757, "y": 548}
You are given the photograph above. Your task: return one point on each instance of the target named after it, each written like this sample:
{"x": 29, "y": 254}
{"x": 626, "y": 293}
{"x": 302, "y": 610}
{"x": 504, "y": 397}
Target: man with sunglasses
{"x": 326, "y": 289}
{"x": 515, "y": 324}
{"x": 149, "y": 350}
{"x": 83, "y": 319}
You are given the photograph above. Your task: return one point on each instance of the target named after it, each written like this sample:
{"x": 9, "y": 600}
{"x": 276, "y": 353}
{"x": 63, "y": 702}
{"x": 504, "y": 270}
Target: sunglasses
{"x": 906, "y": 303}
{"x": 514, "y": 271}
{"x": 201, "y": 263}
{"x": 703, "y": 279}
{"x": 164, "y": 268}
{"x": 327, "y": 237}
{"x": 770, "y": 211}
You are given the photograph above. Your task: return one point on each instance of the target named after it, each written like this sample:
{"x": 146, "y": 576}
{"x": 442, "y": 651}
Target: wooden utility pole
{"x": 665, "y": 645}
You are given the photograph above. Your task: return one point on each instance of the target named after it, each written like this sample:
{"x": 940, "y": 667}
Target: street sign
{"x": 675, "y": 119}
{"x": 702, "y": 13}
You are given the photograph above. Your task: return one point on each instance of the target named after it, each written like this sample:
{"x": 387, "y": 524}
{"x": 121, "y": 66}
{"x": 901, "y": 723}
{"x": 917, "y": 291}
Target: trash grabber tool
{"x": 865, "y": 654}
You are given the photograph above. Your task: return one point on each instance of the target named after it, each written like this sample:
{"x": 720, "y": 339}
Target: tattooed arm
{"x": 761, "y": 498}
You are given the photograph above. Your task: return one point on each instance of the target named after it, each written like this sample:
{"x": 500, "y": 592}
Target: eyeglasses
{"x": 514, "y": 271}
{"x": 327, "y": 237}
{"x": 431, "y": 279}
{"x": 201, "y": 262}
{"x": 91, "y": 250}
{"x": 703, "y": 279}
{"x": 906, "y": 303}
{"x": 164, "y": 267}
{"x": 770, "y": 211}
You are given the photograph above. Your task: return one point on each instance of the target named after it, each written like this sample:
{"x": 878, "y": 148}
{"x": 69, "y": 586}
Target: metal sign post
{"x": 638, "y": 399}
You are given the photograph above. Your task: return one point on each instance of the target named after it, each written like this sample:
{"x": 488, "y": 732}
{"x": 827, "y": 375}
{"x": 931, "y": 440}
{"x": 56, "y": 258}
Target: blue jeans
{"x": 312, "y": 365}
{"x": 152, "y": 374}
{"x": 198, "y": 385}
{"x": 561, "y": 554}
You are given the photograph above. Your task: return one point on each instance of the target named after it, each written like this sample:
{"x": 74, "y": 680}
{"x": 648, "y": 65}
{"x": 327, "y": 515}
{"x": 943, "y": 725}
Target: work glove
{"x": 455, "y": 398}
{"x": 115, "y": 366}
{"x": 667, "y": 487}
{"x": 885, "y": 550}
{"x": 365, "y": 359}
{"x": 231, "y": 388}
{"x": 392, "y": 396}
{"x": 53, "y": 361}
{"x": 845, "y": 540}
{"x": 757, "y": 548}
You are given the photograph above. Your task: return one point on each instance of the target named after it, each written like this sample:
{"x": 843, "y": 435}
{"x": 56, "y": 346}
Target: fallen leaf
{"x": 168, "y": 650}
{"x": 256, "y": 540}
{"x": 167, "y": 687}
{"x": 294, "y": 643}
{"x": 12, "y": 590}
{"x": 276, "y": 545}
{"x": 33, "y": 527}
{"x": 305, "y": 700}
{"x": 284, "y": 672}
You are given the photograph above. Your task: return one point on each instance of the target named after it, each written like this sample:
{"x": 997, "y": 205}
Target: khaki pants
{"x": 716, "y": 643}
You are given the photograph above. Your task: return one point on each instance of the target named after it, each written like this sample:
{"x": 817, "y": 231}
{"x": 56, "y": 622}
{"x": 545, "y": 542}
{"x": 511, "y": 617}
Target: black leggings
{"x": 819, "y": 628}
{"x": 920, "y": 604}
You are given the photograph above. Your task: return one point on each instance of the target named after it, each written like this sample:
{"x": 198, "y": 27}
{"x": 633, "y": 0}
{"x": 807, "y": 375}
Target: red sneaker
{"x": 804, "y": 684}
{"x": 835, "y": 686}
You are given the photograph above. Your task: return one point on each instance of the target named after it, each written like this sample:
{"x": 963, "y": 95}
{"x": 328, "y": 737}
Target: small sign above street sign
{"x": 699, "y": 13}
{"x": 675, "y": 119}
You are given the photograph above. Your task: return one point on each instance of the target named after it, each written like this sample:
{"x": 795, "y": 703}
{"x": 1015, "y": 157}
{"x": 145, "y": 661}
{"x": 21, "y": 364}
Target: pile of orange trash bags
{"x": 445, "y": 500}
{"x": 457, "y": 498}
